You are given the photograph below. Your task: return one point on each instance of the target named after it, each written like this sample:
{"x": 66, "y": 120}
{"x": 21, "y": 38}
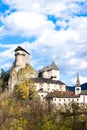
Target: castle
{"x": 48, "y": 84}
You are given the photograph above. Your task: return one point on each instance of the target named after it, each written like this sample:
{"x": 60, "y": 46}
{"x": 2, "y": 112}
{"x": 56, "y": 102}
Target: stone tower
{"x": 22, "y": 57}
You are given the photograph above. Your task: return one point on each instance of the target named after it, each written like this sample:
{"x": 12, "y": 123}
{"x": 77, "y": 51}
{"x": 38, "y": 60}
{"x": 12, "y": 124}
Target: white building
{"x": 61, "y": 98}
{"x": 48, "y": 80}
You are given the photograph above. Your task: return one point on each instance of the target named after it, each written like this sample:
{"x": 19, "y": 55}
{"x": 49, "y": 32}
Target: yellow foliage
{"x": 19, "y": 128}
{"x": 23, "y": 90}
{"x": 11, "y": 110}
{"x": 18, "y": 108}
{"x": 11, "y": 128}
{"x": 19, "y": 124}
{"x": 26, "y": 89}
{"x": 25, "y": 73}
{"x": 4, "y": 103}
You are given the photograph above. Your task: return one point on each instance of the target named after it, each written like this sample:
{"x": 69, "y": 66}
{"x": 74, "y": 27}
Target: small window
{"x": 77, "y": 89}
{"x": 68, "y": 99}
{"x": 64, "y": 100}
{"x": 55, "y": 99}
{"x": 77, "y": 99}
{"x": 59, "y": 99}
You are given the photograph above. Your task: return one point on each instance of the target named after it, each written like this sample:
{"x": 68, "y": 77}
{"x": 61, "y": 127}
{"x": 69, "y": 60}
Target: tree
{"x": 4, "y": 75}
{"x": 74, "y": 117}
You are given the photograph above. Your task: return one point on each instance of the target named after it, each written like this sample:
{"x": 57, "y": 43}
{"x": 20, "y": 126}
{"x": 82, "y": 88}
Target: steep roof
{"x": 20, "y": 48}
{"x": 52, "y": 66}
{"x": 46, "y": 80}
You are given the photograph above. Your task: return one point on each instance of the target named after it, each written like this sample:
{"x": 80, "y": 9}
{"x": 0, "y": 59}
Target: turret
{"x": 77, "y": 87}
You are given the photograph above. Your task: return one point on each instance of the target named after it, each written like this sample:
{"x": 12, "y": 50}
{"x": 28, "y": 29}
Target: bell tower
{"x": 77, "y": 87}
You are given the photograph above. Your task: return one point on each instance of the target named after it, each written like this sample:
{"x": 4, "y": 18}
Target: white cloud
{"x": 6, "y": 66}
{"x": 66, "y": 44}
{"x": 25, "y": 24}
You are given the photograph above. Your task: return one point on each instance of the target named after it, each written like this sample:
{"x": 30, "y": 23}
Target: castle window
{"x": 68, "y": 99}
{"x": 77, "y": 99}
{"x": 64, "y": 100}
{"x": 59, "y": 99}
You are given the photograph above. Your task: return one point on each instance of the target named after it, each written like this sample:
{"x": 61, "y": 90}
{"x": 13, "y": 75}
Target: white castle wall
{"x": 51, "y": 73}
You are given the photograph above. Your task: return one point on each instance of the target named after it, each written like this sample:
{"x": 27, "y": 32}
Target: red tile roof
{"x": 60, "y": 94}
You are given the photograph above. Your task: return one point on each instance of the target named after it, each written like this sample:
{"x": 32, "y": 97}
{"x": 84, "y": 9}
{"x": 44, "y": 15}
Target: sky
{"x": 50, "y": 30}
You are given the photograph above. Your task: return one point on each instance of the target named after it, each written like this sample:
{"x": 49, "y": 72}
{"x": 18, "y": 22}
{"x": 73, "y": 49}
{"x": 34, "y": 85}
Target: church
{"x": 48, "y": 83}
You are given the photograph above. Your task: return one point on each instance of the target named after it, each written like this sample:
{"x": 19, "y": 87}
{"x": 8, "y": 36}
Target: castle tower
{"x": 77, "y": 87}
{"x": 22, "y": 57}
{"x": 54, "y": 71}
{"x": 51, "y": 71}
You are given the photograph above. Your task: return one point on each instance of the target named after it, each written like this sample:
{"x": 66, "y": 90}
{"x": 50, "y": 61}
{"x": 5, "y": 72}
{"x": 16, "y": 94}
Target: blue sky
{"x": 50, "y": 30}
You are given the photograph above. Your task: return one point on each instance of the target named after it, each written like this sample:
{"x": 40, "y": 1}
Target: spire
{"x": 54, "y": 66}
{"x": 78, "y": 81}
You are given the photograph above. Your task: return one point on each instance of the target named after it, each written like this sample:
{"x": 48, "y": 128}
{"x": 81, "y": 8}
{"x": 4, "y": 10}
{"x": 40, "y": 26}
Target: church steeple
{"x": 77, "y": 87}
{"x": 78, "y": 81}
